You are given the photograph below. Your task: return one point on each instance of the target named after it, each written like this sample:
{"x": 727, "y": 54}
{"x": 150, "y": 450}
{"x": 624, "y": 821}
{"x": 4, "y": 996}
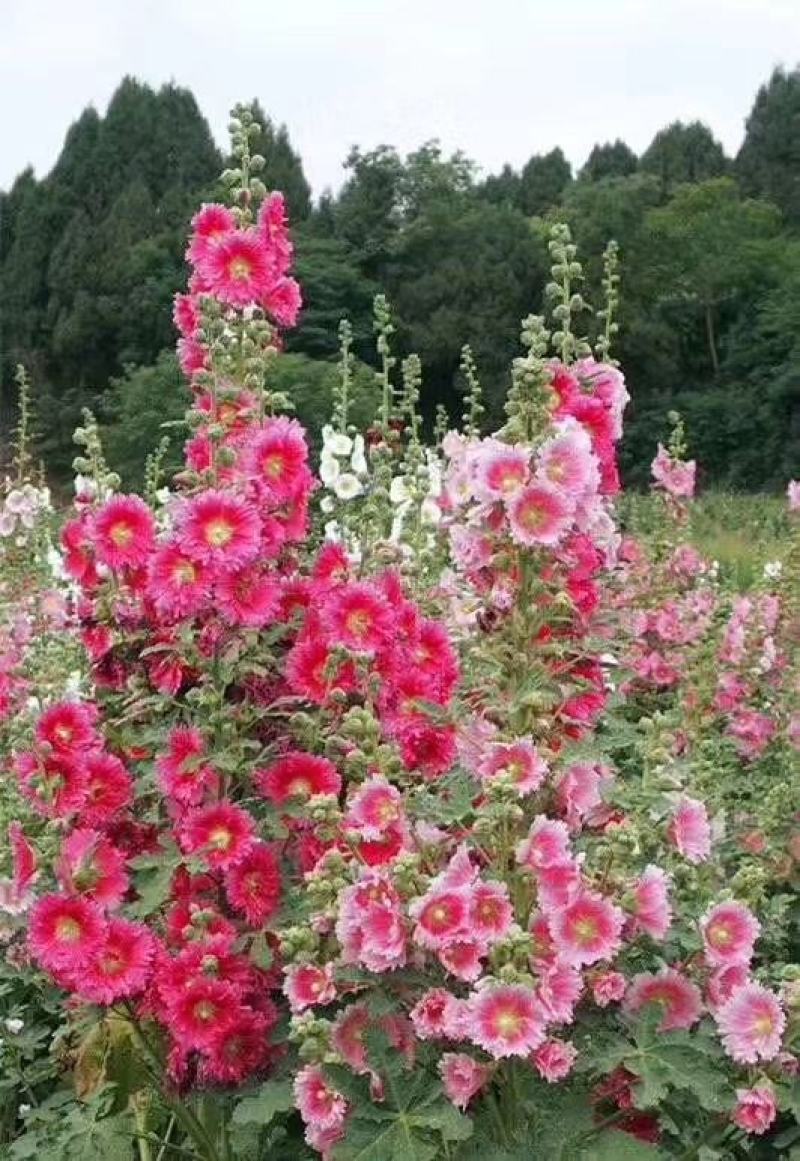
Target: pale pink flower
{"x": 690, "y": 831}
{"x": 499, "y": 470}
{"x": 793, "y": 495}
{"x": 462, "y": 958}
{"x": 506, "y": 1020}
{"x": 558, "y": 884}
{"x": 751, "y": 1023}
{"x": 729, "y": 933}
{"x": 608, "y": 988}
{"x": 676, "y": 996}
{"x": 755, "y": 1108}
{"x": 540, "y": 515}
{"x": 441, "y": 916}
{"x": 580, "y": 790}
{"x": 547, "y": 844}
{"x": 490, "y": 911}
{"x": 587, "y": 930}
{"x": 318, "y": 1104}
{"x": 723, "y": 982}
{"x": 307, "y": 984}
{"x": 519, "y": 761}
{"x": 434, "y": 1014}
{"x": 554, "y": 1059}
{"x": 375, "y": 806}
{"x": 559, "y": 989}
{"x": 676, "y": 477}
{"x": 462, "y": 1077}
{"x": 567, "y": 462}
{"x": 652, "y": 913}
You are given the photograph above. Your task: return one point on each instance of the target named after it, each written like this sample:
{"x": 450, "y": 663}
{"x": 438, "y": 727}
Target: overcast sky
{"x": 500, "y": 79}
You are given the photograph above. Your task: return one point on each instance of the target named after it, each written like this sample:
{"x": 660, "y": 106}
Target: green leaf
{"x": 259, "y": 1109}
{"x": 614, "y": 1145}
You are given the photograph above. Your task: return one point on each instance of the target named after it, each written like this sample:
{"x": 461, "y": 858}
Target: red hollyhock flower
{"x": 183, "y": 772}
{"x": 109, "y": 789}
{"x": 124, "y": 532}
{"x": 202, "y": 1011}
{"x": 68, "y": 725}
{"x": 55, "y": 786}
{"x": 297, "y": 775}
{"x": 65, "y": 932}
{"x": 177, "y": 584}
{"x": 90, "y": 865}
{"x": 122, "y": 965}
{"x": 236, "y": 268}
{"x": 220, "y": 529}
{"x": 357, "y": 616}
{"x": 253, "y": 885}
{"x": 239, "y": 1050}
{"x": 222, "y": 833}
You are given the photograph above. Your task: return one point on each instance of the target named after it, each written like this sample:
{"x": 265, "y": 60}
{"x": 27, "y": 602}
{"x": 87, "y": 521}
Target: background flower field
{"x": 410, "y": 792}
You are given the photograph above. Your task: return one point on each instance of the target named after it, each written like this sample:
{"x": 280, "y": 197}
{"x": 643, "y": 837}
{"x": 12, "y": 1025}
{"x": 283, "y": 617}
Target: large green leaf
{"x": 275, "y": 1096}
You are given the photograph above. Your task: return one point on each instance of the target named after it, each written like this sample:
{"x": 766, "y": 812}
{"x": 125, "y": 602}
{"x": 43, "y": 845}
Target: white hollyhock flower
{"x": 327, "y": 505}
{"x": 773, "y": 570}
{"x": 14, "y": 1025}
{"x": 398, "y": 490}
{"x": 336, "y": 443}
{"x": 347, "y": 486}
{"x": 430, "y": 512}
{"x": 358, "y": 460}
{"x": 329, "y": 469}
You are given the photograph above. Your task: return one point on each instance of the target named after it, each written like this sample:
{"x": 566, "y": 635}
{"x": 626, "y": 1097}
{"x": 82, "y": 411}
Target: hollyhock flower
{"x": 297, "y": 775}
{"x": 426, "y": 747}
{"x": 539, "y": 515}
{"x": 375, "y": 806}
{"x": 729, "y": 932}
{"x": 347, "y": 1036}
{"x": 253, "y": 884}
{"x": 221, "y": 832}
{"x": 580, "y": 790}
{"x": 755, "y": 1108}
{"x": 558, "y": 884}
{"x": 690, "y": 831}
{"x": 752, "y": 732}
{"x": 441, "y": 916}
{"x": 178, "y": 585}
{"x": 312, "y": 672}
{"x": 793, "y": 495}
{"x": 56, "y": 787}
{"x": 357, "y": 616}
{"x": 519, "y": 761}
{"x": 211, "y": 223}
{"x": 202, "y": 1010}
{"x": 463, "y": 958}
{"x": 554, "y": 1059}
{"x": 124, "y": 532}
{"x": 490, "y": 911}
{"x": 236, "y": 268}
{"x": 186, "y": 314}
{"x": 559, "y": 989}
{"x": 675, "y": 476}
{"x": 68, "y": 726}
{"x": 651, "y": 907}
{"x": 183, "y": 772}
{"x": 435, "y": 1014}
{"x": 587, "y": 930}
{"x": 566, "y": 461}
{"x": 248, "y": 597}
{"x": 65, "y": 932}
{"x": 506, "y": 1020}
{"x": 237, "y": 1051}
{"x": 277, "y": 458}
{"x": 318, "y": 1104}
{"x": 283, "y": 301}
{"x": 751, "y": 1023}
{"x": 219, "y": 529}
{"x": 91, "y": 866}
{"x": 678, "y": 997}
{"x": 608, "y": 988}
{"x": 547, "y": 844}
{"x": 462, "y": 1077}
{"x": 371, "y": 927}
{"x": 500, "y": 470}
{"x": 108, "y": 789}
{"x": 122, "y": 965}
{"x": 23, "y": 857}
{"x": 307, "y": 985}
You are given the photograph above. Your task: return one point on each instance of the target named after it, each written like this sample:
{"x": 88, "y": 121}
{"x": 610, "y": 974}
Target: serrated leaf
{"x": 614, "y": 1145}
{"x": 274, "y": 1097}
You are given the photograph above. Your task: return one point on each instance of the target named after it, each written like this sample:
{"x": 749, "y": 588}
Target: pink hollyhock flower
{"x": 186, "y": 314}
{"x": 559, "y": 989}
{"x": 557, "y": 885}
{"x": 751, "y": 1023}
{"x": 755, "y": 1108}
{"x": 675, "y": 476}
{"x": 211, "y": 223}
{"x": 729, "y": 932}
{"x": 236, "y": 269}
{"x": 122, "y": 966}
{"x": 204, "y": 1009}
{"x": 690, "y": 831}
{"x": 500, "y": 470}
{"x": 124, "y": 532}
{"x": 677, "y": 997}
{"x": 793, "y": 495}
{"x": 441, "y": 916}
{"x": 347, "y": 1037}
{"x": 297, "y": 775}
{"x": 435, "y": 1015}
{"x": 371, "y": 926}
{"x": 177, "y": 585}
{"x": 375, "y": 806}
{"x": 277, "y": 458}
{"x": 539, "y": 515}
{"x": 307, "y": 984}
{"x": 222, "y": 832}
{"x": 651, "y": 908}
{"x": 91, "y": 866}
{"x": 108, "y": 789}
{"x": 547, "y": 844}
{"x": 608, "y": 988}
{"x": 237, "y": 1052}
{"x": 462, "y": 1077}
{"x": 248, "y": 597}
{"x": 356, "y": 615}
{"x": 554, "y": 1060}
{"x": 460, "y": 871}
{"x": 462, "y": 958}
{"x": 65, "y": 932}
{"x": 68, "y": 726}
{"x": 566, "y": 461}
{"x": 580, "y": 790}
{"x": 587, "y": 930}
{"x": 506, "y": 1020}
{"x": 184, "y": 773}
{"x": 283, "y": 301}
{"x": 318, "y": 1104}
{"x": 490, "y": 911}
{"x": 253, "y": 884}
{"x": 23, "y": 859}
{"x": 219, "y": 529}
{"x": 752, "y": 732}
{"x": 519, "y": 761}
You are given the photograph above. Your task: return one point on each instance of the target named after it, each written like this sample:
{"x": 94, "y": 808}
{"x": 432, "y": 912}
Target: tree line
{"x": 91, "y": 255}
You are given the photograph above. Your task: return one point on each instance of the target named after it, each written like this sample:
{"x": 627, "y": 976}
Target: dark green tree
{"x": 543, "y": 180}
{"x": 613, "y": 159}
{"x": 683, "y": 153}
{"x": 768, "y": 163}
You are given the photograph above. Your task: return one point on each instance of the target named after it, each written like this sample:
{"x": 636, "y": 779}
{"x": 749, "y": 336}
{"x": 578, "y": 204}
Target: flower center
{"x": 585, "y": 930}
{"x": 508, "y": 1024}
{"x": 218, "y": 533}
{"x": 221, "y": 838}
{"x": 68, "y": 930}
{"x": 239, "y": 269}
{"x": 121, "y": 534}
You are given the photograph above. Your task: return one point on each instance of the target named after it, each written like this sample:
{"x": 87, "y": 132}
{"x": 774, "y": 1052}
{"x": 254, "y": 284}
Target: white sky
{"x": 500, "y": 79}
